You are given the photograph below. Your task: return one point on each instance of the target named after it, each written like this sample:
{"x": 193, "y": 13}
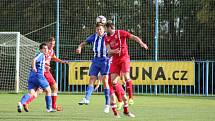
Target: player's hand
{"x": 97, "y": 86}
{"x": 78, "y": 50}
{"x": 65, "y": 62}
{"x": 115, "y": 51}
{"x": 144, "y": 46}
{"x": 34, "y": 69}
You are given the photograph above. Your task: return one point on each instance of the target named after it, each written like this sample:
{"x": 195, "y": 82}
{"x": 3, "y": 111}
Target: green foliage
{"x": 186, "y": 26}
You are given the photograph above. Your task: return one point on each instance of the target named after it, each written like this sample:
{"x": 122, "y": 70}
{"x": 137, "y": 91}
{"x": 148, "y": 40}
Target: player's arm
{"x": 138, "y": 40}
{"x": 55, "y": 59}
{"x": 112, "y": 51}
{"x": 33, "y": 65}
{"x": 78, "y": 50}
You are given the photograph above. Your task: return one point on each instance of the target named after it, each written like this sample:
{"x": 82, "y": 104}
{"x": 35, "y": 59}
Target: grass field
{"x": 146, "y": 108}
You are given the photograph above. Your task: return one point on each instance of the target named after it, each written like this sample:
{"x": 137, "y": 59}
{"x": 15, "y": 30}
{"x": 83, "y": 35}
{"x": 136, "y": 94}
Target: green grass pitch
{"x": 146, "y": 108}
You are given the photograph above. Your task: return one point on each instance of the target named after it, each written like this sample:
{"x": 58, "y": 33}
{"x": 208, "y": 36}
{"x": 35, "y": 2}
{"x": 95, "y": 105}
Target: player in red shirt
{"x": 117, "y": 47}
{"x": 50, "y": 56}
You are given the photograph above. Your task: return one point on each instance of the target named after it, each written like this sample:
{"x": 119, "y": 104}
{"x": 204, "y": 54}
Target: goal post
{"x": 17, "y": 62}
{"x": 16, "y": 54}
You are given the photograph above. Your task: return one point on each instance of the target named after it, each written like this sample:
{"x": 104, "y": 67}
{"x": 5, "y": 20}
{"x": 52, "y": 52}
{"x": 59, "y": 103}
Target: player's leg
{"x": 24, "y": 99}
{"x": 48, "y": 99}
{"x": 113, "y": 104}
{"x": 126, "y": 112}
{"x": 105, "y": 67}
{"x": 43, "y": 83}
{"x": 114, "y": 76}
{"x": 31, "y": 86}
{"x": 54, "y": 88}
{"x": 106, "y": 93}
{"x": 94, "y": 70}
{"x": 129, "y": 86}
{"x": 33, "y": 96}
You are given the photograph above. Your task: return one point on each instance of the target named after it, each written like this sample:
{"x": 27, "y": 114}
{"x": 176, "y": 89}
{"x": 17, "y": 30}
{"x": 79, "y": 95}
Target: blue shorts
{"x": 37, "y": 80}
{"x": 101, "y": 65}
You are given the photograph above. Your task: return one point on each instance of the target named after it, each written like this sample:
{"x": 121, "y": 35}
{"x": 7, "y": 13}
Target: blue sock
{"x": 48, "y": 102}
{"x": 107, "y": 96}
{"x": 25, "y": 98}
{"x": 89, "y": 92}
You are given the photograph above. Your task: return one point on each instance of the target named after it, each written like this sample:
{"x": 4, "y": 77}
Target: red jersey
{"x": 118, "y": 40}
{"x": 49, "y": 57}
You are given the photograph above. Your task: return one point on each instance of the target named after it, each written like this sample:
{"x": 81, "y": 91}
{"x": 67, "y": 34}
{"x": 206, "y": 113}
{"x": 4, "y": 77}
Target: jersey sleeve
{"x": 54, "y": 57}
{"x": 39, "y": 57}
{"x": 90, "y": 39}
{"x": 125, "y": 34}
{"x": 107, "y": 41}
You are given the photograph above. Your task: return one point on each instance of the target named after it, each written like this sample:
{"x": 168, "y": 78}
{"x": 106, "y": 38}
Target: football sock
{"x": 113, "y": 106}
{"x": 48, "y": 102}
{"x": 125, "y": 108}
{"x": 107, "y": 96}
{"x": 54, "y": 100}
{"x": 89, "y": 92}
{"x": 25, "y": 98}
{"x": 129, "y": 88}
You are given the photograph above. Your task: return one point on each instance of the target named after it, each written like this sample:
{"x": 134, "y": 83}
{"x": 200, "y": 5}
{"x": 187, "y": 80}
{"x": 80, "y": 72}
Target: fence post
{"x": 57, "y": 35}
{"x": 207, "y": 75}
{"x": 156, "y": 38}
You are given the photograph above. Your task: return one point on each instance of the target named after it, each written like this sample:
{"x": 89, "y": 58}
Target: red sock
{"x": 54, "y": 100}
{"x": 119, "y": 97}
{"x": 129, "y": 88}
{"x": 118, "y": 91}
{"x": 30, "y": 100}
{"x": 113, "y": 105}
{"x": 125, "y": 107}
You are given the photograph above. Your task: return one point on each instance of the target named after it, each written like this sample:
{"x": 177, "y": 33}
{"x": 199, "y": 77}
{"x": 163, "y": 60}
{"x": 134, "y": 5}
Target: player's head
{"x": 43, "y": 48}
{"x": 100, "y": 28}
{"x": 51, "y": 43}
{"x": 110, "y": 27}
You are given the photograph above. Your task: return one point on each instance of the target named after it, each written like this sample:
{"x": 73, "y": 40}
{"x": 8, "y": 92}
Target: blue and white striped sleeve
{"x": 90, "y": 39}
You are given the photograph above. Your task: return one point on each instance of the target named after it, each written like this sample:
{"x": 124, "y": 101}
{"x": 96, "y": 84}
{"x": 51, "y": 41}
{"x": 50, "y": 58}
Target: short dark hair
{"x": 110, "y": 24}
{"x": 51, "y": 39}
{"x": 42, "y": 45}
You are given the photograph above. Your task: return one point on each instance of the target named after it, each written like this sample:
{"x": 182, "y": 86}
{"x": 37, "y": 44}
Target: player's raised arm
{"x": 138, "y": 40}
{"x": 55, "y": 59}
{"x": 78, "y": 50}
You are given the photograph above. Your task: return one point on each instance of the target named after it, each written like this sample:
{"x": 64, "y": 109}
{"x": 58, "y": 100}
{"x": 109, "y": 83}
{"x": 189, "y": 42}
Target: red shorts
{"x": 120, "y": 65}
{"x": 49, "y": 78}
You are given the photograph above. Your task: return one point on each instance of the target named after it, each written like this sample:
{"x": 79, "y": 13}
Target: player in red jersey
{"x": 117, "y": 47}
{"x": 50, "y": 56}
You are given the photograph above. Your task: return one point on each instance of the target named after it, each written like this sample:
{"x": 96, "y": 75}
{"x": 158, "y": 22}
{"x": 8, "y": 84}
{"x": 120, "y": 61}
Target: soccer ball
{"x": 59, "y": 108}
{"x": 101, "y": 19}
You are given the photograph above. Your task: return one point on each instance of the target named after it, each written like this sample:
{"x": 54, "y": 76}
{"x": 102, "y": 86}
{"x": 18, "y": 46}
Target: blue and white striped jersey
{"x": 98, "y": 44}
{"x": 40, "y": 63}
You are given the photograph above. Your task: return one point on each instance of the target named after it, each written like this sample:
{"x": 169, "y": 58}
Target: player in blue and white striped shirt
{"x": 100, "y": 64}
{"x": 37, "y": 80}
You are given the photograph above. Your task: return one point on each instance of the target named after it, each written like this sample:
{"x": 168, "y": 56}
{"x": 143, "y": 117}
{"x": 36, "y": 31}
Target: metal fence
{"x": 204, "y": 83}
